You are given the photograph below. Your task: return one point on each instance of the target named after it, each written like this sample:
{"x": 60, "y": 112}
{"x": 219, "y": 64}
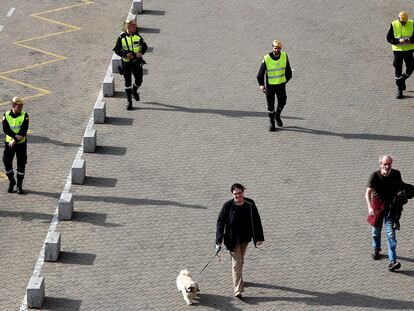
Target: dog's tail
{"x": 185, "y": 272}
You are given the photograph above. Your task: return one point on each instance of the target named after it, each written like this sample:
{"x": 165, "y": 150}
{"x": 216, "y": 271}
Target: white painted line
{"x": 1, "y": 27}
{"x": 11, "y": 11}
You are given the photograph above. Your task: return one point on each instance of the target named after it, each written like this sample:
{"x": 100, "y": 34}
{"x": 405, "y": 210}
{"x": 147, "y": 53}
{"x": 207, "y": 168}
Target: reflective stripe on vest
{"x": 275, "y": 69}
{"x": 403, "y": 32}
{"x": 131, "y": 43}
{"x": 15, "y": 125}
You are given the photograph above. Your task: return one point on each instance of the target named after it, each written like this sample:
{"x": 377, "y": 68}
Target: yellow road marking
{"x": 56, "y": 57}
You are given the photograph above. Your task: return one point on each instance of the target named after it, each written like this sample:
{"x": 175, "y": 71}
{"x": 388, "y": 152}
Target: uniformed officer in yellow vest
{"x": 276, "y": 68}
{"x": 131, "y": 47}
{"x": 15, "y": 126}
{"x": 400, "y": 36}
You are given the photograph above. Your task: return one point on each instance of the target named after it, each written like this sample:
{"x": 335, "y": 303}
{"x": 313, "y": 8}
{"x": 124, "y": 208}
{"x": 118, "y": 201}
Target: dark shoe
{"x": 400, "y": 95}
{"x": 272, "y": 127}
{"x": 20, "y": 190}
{"x": 279, "y": 122}
{"x": 11, "y": 186}
{"x": 129, "y": 106}
{"x": 375, "y": 254}
{"x": 394, "y": 265}
{"x": 136, "y": 95}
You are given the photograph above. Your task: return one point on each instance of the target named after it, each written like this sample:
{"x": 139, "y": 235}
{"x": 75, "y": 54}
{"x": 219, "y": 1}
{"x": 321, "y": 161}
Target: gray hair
{"x": 387, "y": 156}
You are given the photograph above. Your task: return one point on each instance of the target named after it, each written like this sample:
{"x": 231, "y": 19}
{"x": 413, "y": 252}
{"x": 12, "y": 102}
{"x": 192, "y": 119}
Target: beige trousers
{"x": 237, "y": 260}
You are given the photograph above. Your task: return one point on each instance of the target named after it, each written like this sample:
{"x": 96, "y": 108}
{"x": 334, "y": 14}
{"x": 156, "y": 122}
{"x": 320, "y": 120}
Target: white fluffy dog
{"x": 187, "y": 286}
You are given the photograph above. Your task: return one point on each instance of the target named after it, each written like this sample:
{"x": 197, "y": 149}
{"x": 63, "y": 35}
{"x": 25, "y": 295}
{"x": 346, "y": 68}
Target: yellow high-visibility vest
{"x": 131, "y": 43}
{"x": 15, "y": 125}
{"x": 275, "y": 69}
{"x": 403, "y": 32}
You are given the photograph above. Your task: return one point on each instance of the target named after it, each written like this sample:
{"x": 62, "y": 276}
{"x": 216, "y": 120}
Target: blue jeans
{"x": 391, "y": 238}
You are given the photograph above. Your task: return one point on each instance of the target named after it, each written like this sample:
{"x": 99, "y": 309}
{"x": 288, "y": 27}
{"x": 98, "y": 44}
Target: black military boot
{"x": 129, "y": 99}
{"x": 278, "y": 119}
{"x": 135, "y": 93}
{"x": 20, "y": 183}
{"x": 272, "y": 127}
{"x": 12, "y": 182}
{"x": 400, "y": 82}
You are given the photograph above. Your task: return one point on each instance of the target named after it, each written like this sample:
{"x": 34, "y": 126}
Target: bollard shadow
{"x": 45, "y": 140}
{"x": 64, "y": 304}
{"x": 148, "y": 30}
{"x": 119, "y": 121}
{"x": 111, "y": 150}
{"x": 85, "y": 259}
{"x": 100, "y": 182}
{"x": 97, "y": 219}
{"x": 364, "y": 136}
{"x": 315, "y": 298}
{"x": 226, "y": 113}
{"x": 217, "y": 302}
{"x": 153, "y": 12}
{"x": 406, "y": 272}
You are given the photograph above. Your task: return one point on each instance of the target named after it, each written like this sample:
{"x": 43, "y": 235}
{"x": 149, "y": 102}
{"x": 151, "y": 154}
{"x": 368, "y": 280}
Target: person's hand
{"x": 403, "y": 40}
{"x": 138, "y": 55}
{"x": 217, "y": 247}
{"x": 370, "y": 211}
{"x": 262, "y": 88}
{"x": 130, "y": 56}
{"x": 19, "y": 137}
{"x": 258, "y": 243}
{"x": 12, "y": 143}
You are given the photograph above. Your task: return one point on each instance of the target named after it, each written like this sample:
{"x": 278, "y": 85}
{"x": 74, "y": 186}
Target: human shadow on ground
{"x": 119, "y": 200}
{"x": 366, "y": 136}
{"x": 218, "y": 302}
{"x": 86, "y": 259}
{"x": 63, "y": 304}
{"x": 316, "y": 298}
{"x": 226, "y": 113}
{"x": 35, "y": 139}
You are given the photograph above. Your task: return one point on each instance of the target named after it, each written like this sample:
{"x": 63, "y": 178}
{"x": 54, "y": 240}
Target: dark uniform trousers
{"x": 20, "y": 150}
{"x": 399, "y": 58}
{"x": 278, "y": 90}
{"x": 132, "y": 68}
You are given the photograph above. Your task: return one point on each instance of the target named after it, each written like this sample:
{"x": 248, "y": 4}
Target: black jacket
{"x": 391, "y": 39}
{"x": 121, "y": 52}
{"x": 239, "y": 223}
{"x": 406, "y": 192}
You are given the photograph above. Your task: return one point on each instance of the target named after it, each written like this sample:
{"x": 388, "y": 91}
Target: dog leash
{"x": 215, "y": 255}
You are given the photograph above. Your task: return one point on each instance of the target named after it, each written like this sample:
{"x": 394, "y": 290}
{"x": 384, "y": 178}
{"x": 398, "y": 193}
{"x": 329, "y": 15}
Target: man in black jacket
{"x": 237, "y": 224}
{"x": 401, "y": 36}
{"x": 277, "y": 69}
{"x": 131, "y": 47}
{"x": 15, "y": 125}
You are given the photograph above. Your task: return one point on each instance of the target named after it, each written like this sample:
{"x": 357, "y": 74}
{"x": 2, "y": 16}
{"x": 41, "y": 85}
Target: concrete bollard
{"x": 137, "y": 7}
{"x": 65, "y": 206}
{"x": 89, "y": 140}
{"x": 52, "y": 246}
{"x": 116, "y": 63}
{"x": 99, "y": 111}
{"x": 78, "y": 172}
{"x": 108, "y": 86}
{"x": 35, "y": 292}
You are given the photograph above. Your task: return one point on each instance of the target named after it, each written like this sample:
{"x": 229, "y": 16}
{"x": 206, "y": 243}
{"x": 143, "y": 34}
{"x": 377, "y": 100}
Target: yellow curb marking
{"x": 3, "y": 176}
{"x": 56, "y": 57}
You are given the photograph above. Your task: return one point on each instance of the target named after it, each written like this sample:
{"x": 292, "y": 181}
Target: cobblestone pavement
{"x": 162, "y": 171}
